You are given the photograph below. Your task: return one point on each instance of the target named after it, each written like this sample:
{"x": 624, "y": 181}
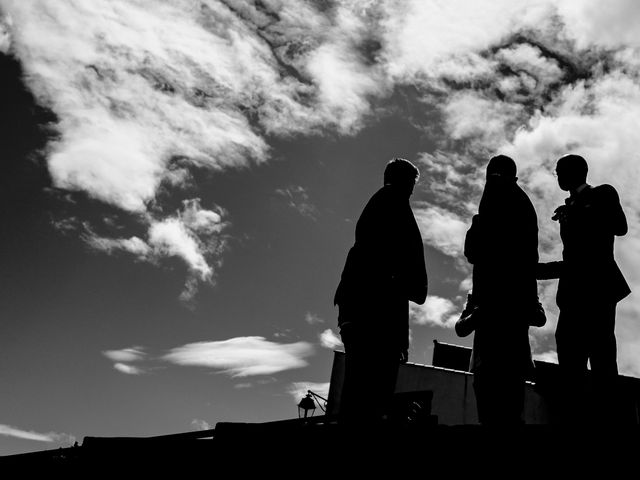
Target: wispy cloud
{"x": 5, "y": 33}
{"x": 312, "y": 318}
{"x": 130, "y": 354}
{"x": 139, "y": 87}
{"x": 242, "y": 356}
{"x": 198, "y": 424}
{"x": 243, "y": 385}
{"x": 297, "y": 198}
{"x": 299, "y": 389}
{"x": 128, "y": 369}
{"x": 192, "y": 235}
{"x": 550, "y": 356}
{"x": 237, "y": 357}
{"x": 436, "y": 311}
{"x": 124, "y": 357}
{"x": 441, "y": 228}
{"x": 147, "y": 91}
{"x": 50, "y": 437}
{"x": 328, "y": 339}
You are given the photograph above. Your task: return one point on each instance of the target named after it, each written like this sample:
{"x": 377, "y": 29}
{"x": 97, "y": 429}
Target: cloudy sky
{"x": 181, "y": 180}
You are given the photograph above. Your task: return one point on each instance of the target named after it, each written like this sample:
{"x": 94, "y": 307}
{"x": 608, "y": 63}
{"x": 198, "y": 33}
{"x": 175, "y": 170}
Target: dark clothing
{"x": 589, "y": 288}
{"x": 592, "y": 219}
{"x": 502, "y": 245}
{"x": 370, "y": 376}
{"x": 384, "y": 269}
{"x": 499, "y": 398}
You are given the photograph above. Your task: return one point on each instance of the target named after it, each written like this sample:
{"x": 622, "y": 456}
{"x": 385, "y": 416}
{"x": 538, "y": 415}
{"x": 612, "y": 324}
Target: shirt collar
{"x": 579, "y": 189}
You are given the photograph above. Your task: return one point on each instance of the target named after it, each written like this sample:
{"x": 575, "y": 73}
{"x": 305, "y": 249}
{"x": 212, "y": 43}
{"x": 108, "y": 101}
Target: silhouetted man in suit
{"x": 502, "y": 245}
{"x": 384, "y": 269}
{"x": 589, "y": 288}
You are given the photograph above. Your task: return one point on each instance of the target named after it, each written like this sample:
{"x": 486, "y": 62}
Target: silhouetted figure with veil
{"x": 502, "y": 245}
{"x": 384, "y": 269}
{"x": 590, "y": 286}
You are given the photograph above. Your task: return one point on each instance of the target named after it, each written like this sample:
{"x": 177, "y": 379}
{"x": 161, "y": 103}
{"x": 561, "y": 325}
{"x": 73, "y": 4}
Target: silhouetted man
{"x": 589, "y": 288}
{"x": 502, "y": 245}
{"x": 384, "y": 269}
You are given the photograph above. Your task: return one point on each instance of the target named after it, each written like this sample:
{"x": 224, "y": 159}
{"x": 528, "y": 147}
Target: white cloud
{"x": 421, "y": 37}
{"x": 312, "y": 318}
{"x": 628, "y": 333}
{"x": 611, "y": 24}
{"x": 527, "y": 58}
{"x": 328, "y": 339}
{"x": 133, "y": 245}
{"x": 131, "y": 354}
{"x": 128, "y": 83}
{"x": 243, "y": 385}
{"x": 466, "y": 284}
{"x": 199, "y": 424}
{"x": 124, "y": 357}
{"x": 298, "y": 198}
{"x": 192, "y": 234}
{"x": 5, "y": 34}
{"x": 128, "y": 369}
{"x": 436, "y": 311}
{"x": 550, "y": 356}
{"x": 171, "y": 237}
{"x": 242, "y": 356}
{"x": 199, "y": 220}
{"x": 299, "y": 389}
{"x": 441, "y": 229}
{"x": 344, "y": 84}
{"x": 9, "y": 431}
{"x": 469, "y": 115}
{"x": 137, "y": 84}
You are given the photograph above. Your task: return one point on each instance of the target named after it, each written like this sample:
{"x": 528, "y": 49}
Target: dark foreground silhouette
{"x": 502, "y": 245}
{"x": 590, "y": 286}
{"x": 384, "y": 269}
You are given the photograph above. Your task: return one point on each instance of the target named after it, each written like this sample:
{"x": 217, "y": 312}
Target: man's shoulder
{"x": 385, "y": 196}
{"x": 604, "y": 192}
{"x": 604, "y": 188}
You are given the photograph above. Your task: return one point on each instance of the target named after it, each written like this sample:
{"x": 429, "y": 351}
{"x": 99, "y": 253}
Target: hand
{"x": 404, "y": 356}
{"x": 561, "y": 213}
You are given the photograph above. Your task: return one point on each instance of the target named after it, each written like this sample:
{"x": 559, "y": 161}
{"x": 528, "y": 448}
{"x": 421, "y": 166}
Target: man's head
{"x": 572, "y": 171}
{"x": 503, "y": 167}
{"x": 402, "y": 174}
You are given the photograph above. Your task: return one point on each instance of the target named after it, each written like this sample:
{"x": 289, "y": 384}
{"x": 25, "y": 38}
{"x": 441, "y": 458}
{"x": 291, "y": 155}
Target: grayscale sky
{"x": 180, "y": 184}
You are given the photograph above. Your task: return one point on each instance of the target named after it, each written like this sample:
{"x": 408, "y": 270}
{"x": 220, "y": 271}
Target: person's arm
{"x": 409, "y": 271}
{"x": 613, "y": 213}
{"x": 471, "y": 247}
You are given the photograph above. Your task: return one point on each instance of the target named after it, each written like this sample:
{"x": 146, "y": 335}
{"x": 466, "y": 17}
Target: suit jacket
{"x": 588, "y": 270}
{"x": 384, "y": 269}
{"x": 502, "y": 245}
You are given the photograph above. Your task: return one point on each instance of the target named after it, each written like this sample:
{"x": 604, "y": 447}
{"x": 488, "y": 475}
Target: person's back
{"x": 383, "y": 271}
{"x": 502, "y": 245}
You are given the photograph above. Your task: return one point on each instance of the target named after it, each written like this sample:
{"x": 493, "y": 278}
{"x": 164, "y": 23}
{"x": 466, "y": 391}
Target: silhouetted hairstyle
{"x": 400, "y": 170}
{"x": 574, "y": 163}
{"x": 502, "y": 165}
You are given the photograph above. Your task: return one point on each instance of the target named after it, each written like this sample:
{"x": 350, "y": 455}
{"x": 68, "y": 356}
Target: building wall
{"x": 454, "y": 401}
